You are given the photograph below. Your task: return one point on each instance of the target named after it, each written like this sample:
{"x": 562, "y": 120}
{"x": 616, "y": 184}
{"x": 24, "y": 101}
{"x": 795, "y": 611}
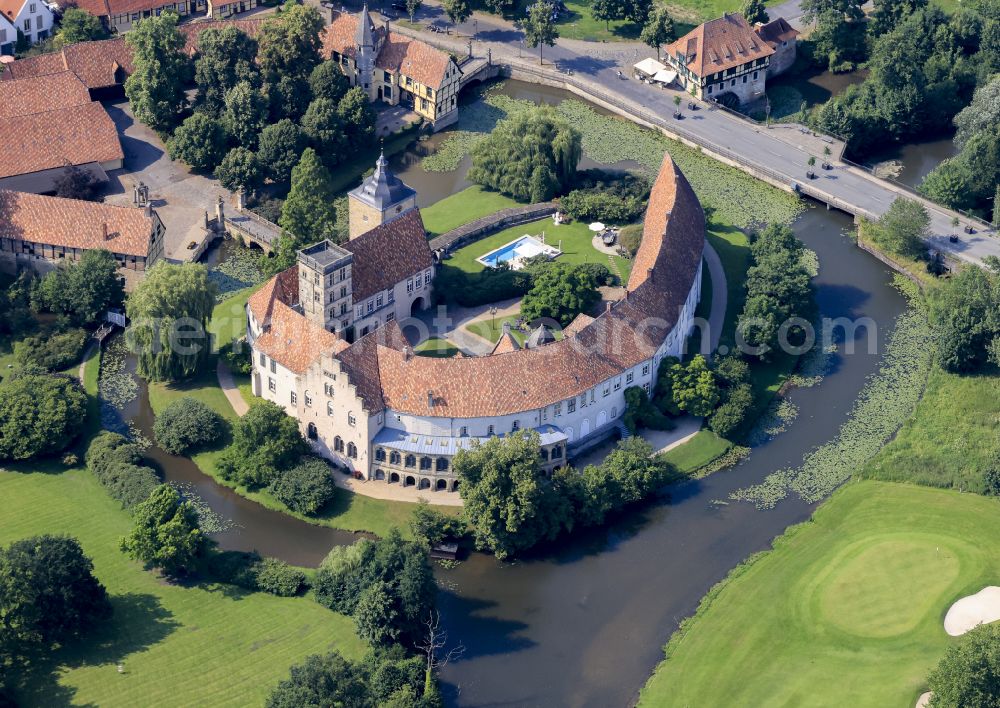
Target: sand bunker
{"x": 924, "y": 700}
{"x": 971, "y": 611}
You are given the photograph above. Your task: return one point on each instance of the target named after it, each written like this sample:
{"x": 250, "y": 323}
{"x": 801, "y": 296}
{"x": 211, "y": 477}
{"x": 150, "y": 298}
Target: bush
{"x": 306, "y": 488}
{"x": 560, "y": 292}
{"x": 641, "y": 413}
{"x": 265, "y": 441}
{"x": 187, "y": 424}
{"x": 473, "y": 289}
{"x": 969, "y": 674}
{"x": 630, "y": 237}
{"x": 278, "y": 578}
{"x": 166, "y": 533}
{"x": 39, "y": 415}
{"x": 432, "y": 526}
{"x": 115, "y": 463}
{"x": 732, "y": 413}
{"x": 52, "y": 352}
{"x": 237, "y": 356}
{"x": 606, "y": 196}
{"x": 599, "y": 273}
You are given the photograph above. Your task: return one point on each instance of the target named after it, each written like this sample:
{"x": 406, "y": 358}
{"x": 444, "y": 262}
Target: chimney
{"x": 649, "y": 273}
{"x": 608, "y": 306}
{"x": 149, "y": 210}
{"x": 407, "y": 353}
{"x": 220, "y": 212}
{"x": 104, "y": 228}
{"x": 430, "y": 399}
{"x": 506, "y": 327}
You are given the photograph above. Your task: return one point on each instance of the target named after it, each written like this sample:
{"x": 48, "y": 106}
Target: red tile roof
{"x": 75, "y": 224}
{"x": 776, "y": 31}
{"x": 192, "y": 30}
{"x": 67, "y": 136}
{"x": 95, "y": 63}
{"x": 399, "y": 54}
{"x": 10, "y": 8}
{"x": 40, "y": 94}
{"x": 719, "y": 44}
{"x": 388, "y": 254}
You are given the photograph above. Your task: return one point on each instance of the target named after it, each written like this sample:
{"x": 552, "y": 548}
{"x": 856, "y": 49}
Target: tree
{"x": 694, "y": 387}
{"x": 607, "y": 10}
{"x": 169, "y": 312}
{"x": 432, "y": 526}
{"x": 965, "y": 314}
{"x": 539, "y": 27}
{"x": 155, "y": 89}
{"x": 48, "y": 596}
{"x": 638, "y": 11}
{"x": 39, "y": 415}
{"x": 289, "y": 44}
{"x": 187, "y": 424}
{"x": 78, "y": 25}
{"x": 458, "y": 11}
{"x": 287, "y": 97}
{"x": 560, "y": 292}
{"x": 903, "y": 228}
{"x": 82, "y": 291}
{"x": 325, "y": 129}
{"x": 166, "y": 533}
{"x": 981, "y": 115}
{"x": 52, "y": 351}
{"x": 327, "y": 680}
{"x": 265, "y": 441}
{"x": 969, "y": 674}
{"x": 531, "y": 156}
{"x": 996, "y": 208}
{"x": 305, "y": 488}
{"x": 887, "y": 14}
{"x": 226, "y": 57}
{"x": 507, "y": 504}
{"x": 74, "y": 183}
{"x": 281, "y": 145}
{"x": 245, "y": 114}
{"x": 328, "y": 81}
{"x": 308, "y": 214}
{"x": 411, "y": 8}
{"x": 375, "y": 616}
{"x": 358, "y": 118}
{"x": 659, "y": 29}
{"x": 200, "y": 141}
{"x": 754, "y": 11}
{"x": 240, "y": 168}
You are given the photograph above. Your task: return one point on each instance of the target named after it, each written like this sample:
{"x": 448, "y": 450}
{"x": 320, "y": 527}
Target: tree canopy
{"x": 155, "y": 89}
{"x": 200, "y": 141}
{"x": 187, "y": 424}
{"x": 83, "y": 290}
{"x": 531, "y": 156}
{"x": 169, "y": 312}
{"x": 78, "y": 25}
{"x": 539, "y": 26}
{"x": 965, "y": 313}
{"x": 560, "y": 291}
{"x": 280, "y": 149}
{"x": 265, "y": 441}
{"x": 903, "y": 228}
{"x": 659, "y": 29}
{"x": 226, "y": 57}
{"x": 969, "y": 674}
{"x": 39, "y": 415}
{"x": 166, "y": 533}
{"x": 240, "y": 168}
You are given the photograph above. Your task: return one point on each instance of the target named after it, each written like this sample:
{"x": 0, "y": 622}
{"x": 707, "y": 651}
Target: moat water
{"x": 583, "y": 624}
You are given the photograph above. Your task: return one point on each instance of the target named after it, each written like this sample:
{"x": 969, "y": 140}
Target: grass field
{"x": 436, "y": 347}
{"x": 846, "y": 610}
{"x": 697, "y": 452}
{"x": 575, "y": 241}
{"x": 461, "y": 208}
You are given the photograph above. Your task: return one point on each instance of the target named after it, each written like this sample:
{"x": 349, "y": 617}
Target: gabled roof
{"x": 776, "y": 31}
{"x": 75, "y": 135}
{"x": 38, "y": 94}
{"x": 75, "y": 224}
{"x": 506, "y": 343}
{"x": 95, "y": 63}
{"x": 719, "y": 44}
{"x": 11, "y": 8}
{"x": 192, "y": 30}
{"x": 388, "y": 254}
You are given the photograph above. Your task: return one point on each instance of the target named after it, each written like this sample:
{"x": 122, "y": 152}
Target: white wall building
{"x": 32, "y": 18}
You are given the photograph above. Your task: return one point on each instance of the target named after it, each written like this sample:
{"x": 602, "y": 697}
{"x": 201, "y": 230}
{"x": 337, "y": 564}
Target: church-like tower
{"x": 381, "y": 197}
{"x": 366, "y": 49}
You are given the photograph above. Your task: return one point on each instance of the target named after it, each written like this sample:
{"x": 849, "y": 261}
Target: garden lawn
{"x": 575, "y": 237}
{"x": 201, "y": 645}
{"x": 846, "y": 610}
{"x": 697, "y": 452}
{"x": 436, "y": 347}
{"x": 948, "y": 440}
{"x": 459, "y": 209}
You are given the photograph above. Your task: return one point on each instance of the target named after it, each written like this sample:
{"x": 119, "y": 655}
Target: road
{"x": 778, "y": 154}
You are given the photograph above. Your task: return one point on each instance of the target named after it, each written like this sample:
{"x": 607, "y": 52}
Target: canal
{"x": 584, "y": 623}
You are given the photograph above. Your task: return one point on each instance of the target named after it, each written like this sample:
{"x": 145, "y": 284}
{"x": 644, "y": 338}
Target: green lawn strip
{"x": 697, "y": 452}
{"x": 436, "y": 347}
{"x": 201, "y": 645}
{"x": 459, "y": 209}
{"x": 950, "y": 436}
{"x": 574, "y": 239}
{"x": 846, "y": 609}
{"x": 229, "y": 317}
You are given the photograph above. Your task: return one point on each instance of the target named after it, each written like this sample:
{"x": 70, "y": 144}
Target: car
{"x": 193, "y": 245}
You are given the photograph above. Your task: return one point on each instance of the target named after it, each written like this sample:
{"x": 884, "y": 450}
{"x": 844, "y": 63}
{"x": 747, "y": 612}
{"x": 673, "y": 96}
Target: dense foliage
{"x": 453, "y": 285}
{"x": 200, "y": 141}
{"x": 81, "y": 291}
{"x": 308, "y": 214}
{"x": 965, "y": 314}
{"x": 78, "y": 25}
{"x": 306, "y": 488}
{"x": 606, "y": 197}
{"x": 735, "y": 396}
{"x": 432, "y": 526}
{"x": 903, "y": 228}
{"x": 251, "y": 572}
{"x": 53, "y": 351}
{"x": 116, "y": 464}
{"x": 531, "y": 156}
{"x": 187, "y": 424}
{"x": 155, "y": 88}
{"x": 559, "y": 292}
{"x": 169, "y": 312}
{"x": 225, "y": 57}
{"x": 265, "y": 441}
{"x": 969, "y": 674}
{"x": 386, "y": 585}
{"x": 39, "y": 415}
{"x": 166, "y": 533}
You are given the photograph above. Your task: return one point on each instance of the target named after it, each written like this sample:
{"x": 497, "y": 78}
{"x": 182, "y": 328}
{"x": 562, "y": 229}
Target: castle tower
{"x": 380, "y": 198}
{"x": 365, "y": 52}
{"x": 325, "y": 293}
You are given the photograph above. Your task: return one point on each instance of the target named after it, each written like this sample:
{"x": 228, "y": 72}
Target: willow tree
{"x": 169, "y": 313}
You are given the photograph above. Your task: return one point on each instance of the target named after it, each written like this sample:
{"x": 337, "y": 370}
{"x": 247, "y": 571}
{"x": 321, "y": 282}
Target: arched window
{"x": 425, "y": 463}
{"x": 338, "y": 444}
{"x": 557, "y": 452}
{"x": 514, "y": 426}
{"x": 395, "y": 458}
{"x": 379, "y": 455}
{"x": 442, "y": 464}
{"x": 411, "y": 461}
{"x": 311, "y": 431}
{"x": 545, "y": 454}
{"x": 352, "y": 451}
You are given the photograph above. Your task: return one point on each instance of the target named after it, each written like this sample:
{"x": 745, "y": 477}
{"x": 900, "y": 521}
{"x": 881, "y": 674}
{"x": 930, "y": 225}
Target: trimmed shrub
{"x": 306, "y": 488}
{"x": 600, "y": 273}
{"x": 52, "y": 352}
{"x": 115, "y": 463}
{"x": 630, "y": 237}
{"x": 237, "y": 358}
{"x": 278, "y": 578}
{"x": 187, "y": 424}
{"x": 455, "y": 286}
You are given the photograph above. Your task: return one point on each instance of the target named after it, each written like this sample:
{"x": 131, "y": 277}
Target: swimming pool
{"x": 517, "y": 251}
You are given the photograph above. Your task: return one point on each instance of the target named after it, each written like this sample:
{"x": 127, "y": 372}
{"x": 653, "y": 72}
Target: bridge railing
{"x": 267, "y": 231}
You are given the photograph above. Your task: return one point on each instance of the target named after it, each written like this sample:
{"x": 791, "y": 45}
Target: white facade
{"x": 8, "y": 37}
{"x": 33, "y": 20}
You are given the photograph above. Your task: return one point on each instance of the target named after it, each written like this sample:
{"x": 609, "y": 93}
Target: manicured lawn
{"x": 492, "y": 329}
{"x": 202, "y": 645}
{"x": 229, "y": 317}
{"x": 847, "y": 609}
{"x": 461, "y": 208}
{"x": 575, "y": 241}
{"x": 436, "y": 347}
{"x": 697, "y": 452}
{"x": 948, "y": 440}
